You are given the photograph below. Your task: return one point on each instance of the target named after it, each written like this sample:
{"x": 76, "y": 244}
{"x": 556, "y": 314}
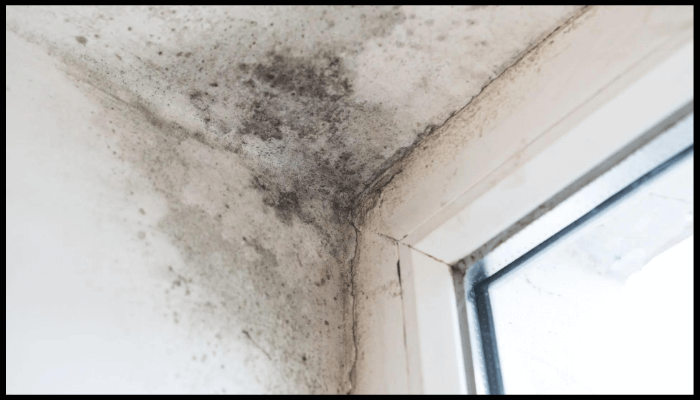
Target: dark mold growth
{"x": 81, "y": 39}
{"x": 288, "y": 103}
{"x": 286, "y": 107}
{"x": 297, "y": 97}
{"x": 287, "y": 205}
{"x": 200, "y": 100}
{"x": 280, "y": 114}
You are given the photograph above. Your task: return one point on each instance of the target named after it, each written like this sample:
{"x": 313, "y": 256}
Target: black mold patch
{"x": 289, "y": 102}
{"x": 323, "y": 81}
{"x": 301, "y": 97}
{"x": 287, "y": 205}
{"x": 200, "y": 100}
{"x": 262, "y": 124}
{"x": 284, "y": 104}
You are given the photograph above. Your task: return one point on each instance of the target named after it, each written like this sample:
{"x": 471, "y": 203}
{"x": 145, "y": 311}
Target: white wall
{"x": 142, "y": 260}
{"x": 180, "y": 219}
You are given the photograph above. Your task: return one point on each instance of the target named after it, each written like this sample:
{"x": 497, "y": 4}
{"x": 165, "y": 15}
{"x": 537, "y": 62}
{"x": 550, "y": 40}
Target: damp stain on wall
{"x": 262, "y": 127}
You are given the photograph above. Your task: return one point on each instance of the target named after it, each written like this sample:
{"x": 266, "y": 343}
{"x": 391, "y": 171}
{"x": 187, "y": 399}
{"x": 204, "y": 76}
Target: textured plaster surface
{"x": 225, "y": 148}
{"x": 140, "y": 260}
{"x": 379, "y": 316}
{"x": 316, "y": 100}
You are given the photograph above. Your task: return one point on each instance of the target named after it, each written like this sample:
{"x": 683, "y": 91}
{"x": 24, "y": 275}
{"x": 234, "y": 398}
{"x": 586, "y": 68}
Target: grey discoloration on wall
{"x": 300, "y": 93}
{"x": 247, "y": 263}
{"x": 261, "y": 127}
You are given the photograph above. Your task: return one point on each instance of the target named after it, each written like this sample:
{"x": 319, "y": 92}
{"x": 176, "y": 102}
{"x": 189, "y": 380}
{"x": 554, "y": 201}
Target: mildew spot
{"x": 231, "y": 104}
{"x": 302, "y": 97}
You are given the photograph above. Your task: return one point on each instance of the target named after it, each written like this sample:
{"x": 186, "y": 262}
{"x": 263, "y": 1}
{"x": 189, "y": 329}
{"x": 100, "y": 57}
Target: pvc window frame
{"x": 592, "y": 136}
{"x": 665, "y": 145}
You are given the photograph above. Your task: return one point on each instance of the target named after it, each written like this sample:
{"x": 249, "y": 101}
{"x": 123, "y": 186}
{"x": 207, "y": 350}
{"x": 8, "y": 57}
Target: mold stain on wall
{"x": 247, "y": 264}
{"x": 255, "y": 125}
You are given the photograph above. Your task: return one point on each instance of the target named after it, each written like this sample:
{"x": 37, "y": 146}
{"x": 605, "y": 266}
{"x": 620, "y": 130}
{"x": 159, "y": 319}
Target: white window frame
{"x": 609, "y": 64}
{"x": 641, "y": 162}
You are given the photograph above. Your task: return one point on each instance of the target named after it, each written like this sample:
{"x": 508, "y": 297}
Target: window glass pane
{"x": 607, "y": 308}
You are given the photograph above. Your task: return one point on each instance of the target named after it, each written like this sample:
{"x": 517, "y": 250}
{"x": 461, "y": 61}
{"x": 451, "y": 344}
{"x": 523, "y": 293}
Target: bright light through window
{"x": 605, "y": 305}
{"x": 657, "y": 330}
{"x": 609, "y": 308}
